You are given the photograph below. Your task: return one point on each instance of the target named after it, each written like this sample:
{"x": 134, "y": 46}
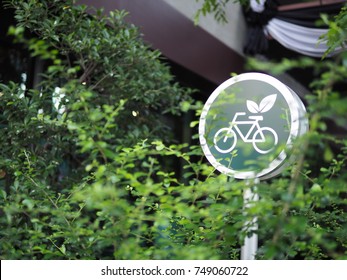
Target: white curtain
{"x": 304, "y": 40}
{"x": 301, "y": 39}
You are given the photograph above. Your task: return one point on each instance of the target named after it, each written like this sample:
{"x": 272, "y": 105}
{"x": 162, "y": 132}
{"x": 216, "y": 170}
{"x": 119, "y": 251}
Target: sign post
{"x": 246, "y": 131}
{"x": 249, "y": 249}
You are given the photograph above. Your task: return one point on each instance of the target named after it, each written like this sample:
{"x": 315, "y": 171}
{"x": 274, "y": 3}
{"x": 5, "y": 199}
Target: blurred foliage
{"x": 337, "y": 34}
{"x": 91, "y": 177}
{"x": 216, "y": 8}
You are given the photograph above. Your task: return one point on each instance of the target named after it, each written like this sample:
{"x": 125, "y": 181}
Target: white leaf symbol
{"x": 252, "y": 107}
{"x": 267, "y": 103}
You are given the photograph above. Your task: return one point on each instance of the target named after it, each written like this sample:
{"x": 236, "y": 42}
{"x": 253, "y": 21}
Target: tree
{"x": 90, "y": 180}
{"x": 103, "y": 90}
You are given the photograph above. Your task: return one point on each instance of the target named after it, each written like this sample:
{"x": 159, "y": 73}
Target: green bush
{"x": 91, "y": 180}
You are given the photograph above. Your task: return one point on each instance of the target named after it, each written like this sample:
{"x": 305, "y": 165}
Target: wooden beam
{"x": 312, "y": 4}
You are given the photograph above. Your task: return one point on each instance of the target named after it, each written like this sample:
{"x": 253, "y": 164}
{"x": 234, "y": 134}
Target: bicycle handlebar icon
{"x": 228, "y": 135}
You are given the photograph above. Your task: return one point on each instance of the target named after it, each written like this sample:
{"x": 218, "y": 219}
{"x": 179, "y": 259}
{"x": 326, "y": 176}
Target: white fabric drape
{"x": 304, "y": 40}
{"x": 301, "y": 39}
{"x": 257, "y": 5}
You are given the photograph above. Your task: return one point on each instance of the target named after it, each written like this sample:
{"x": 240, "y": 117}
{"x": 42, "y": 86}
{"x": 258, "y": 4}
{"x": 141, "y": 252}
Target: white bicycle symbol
{"x": 228, "y": 135}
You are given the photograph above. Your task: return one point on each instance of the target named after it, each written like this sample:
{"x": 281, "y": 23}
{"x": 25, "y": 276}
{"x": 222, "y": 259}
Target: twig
{"x": 46, "y": 194}
{"x": 291, "y": 190}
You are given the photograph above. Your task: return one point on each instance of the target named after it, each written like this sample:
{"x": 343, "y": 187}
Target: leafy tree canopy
{"x": 90, "y": 176}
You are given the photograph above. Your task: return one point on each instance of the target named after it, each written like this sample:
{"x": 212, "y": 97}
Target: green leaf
{"x": 63, "y": 249}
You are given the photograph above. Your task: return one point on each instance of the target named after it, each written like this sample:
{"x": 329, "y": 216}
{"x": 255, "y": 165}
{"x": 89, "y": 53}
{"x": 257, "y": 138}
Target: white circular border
{"x": 296, "y": 108}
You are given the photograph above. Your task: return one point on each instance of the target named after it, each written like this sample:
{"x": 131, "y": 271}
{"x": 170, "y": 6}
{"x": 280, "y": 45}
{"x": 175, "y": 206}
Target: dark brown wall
{"x": 166, "y": 29}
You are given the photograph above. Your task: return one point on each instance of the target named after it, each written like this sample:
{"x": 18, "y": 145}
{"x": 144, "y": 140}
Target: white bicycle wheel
{"x": 267, "y": 132}
{"x": 225, "y": 140}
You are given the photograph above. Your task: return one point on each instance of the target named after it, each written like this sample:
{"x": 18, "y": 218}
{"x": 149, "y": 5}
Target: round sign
{"x": 248, "y": 125}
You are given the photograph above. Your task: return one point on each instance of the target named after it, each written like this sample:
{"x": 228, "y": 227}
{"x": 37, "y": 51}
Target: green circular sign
{"x": 248, "y": 124}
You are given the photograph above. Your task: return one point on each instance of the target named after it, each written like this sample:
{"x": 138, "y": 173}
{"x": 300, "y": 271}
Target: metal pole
{"x": 250, "y": 246}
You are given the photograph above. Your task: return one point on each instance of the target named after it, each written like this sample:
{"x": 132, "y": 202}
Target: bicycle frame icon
{"x": 228, "y": 135}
